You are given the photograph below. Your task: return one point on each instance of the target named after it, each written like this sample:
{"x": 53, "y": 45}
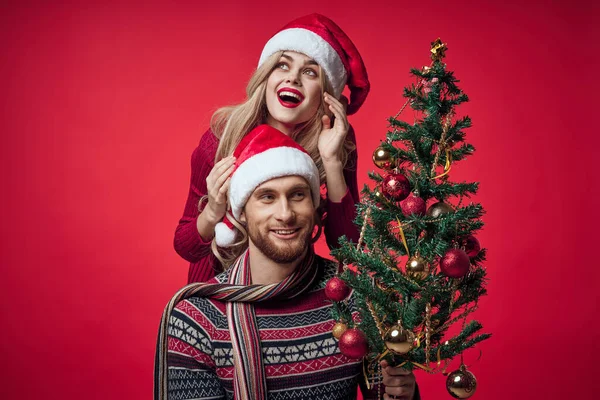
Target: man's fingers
{"x": 406, "y": 396}
{"x": 400, "y": 392}
{"x": 399, "y": 371}
{"x": 388, "y": 397}
{"x": 387, "y": 369}
{"x": 397, "y": 380}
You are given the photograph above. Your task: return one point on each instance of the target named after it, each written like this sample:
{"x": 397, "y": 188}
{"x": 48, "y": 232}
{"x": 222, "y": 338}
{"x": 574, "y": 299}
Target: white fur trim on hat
{"x": 224, "y": 236}
{"x": 266, "y": 165}
{"x": 314, "y": 46}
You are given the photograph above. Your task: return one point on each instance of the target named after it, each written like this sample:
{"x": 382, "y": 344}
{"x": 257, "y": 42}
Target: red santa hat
{"x": 321, "y": 39}
{"x": 263, "y": 154}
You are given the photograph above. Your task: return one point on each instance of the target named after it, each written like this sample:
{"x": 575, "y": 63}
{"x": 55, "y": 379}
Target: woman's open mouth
{"x": 289, "y": 98}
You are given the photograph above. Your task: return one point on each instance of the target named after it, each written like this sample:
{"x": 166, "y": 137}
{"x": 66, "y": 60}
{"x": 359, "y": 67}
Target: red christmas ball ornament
{"x": 336, "y": 289}
{"x": 455, "y": 263}
{"x": 395, "y": 186}
{"x": 472, "y": 246}
{"x": 413, "y": 205}
{"x": 353, "y": 343}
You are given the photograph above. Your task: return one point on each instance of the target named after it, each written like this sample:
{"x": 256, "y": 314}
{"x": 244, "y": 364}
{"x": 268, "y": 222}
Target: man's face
{"x": 279, "y": 217}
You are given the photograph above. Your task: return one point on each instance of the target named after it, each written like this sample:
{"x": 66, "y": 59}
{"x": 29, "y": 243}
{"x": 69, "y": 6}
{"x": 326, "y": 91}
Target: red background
{"x": 102, "y": 106}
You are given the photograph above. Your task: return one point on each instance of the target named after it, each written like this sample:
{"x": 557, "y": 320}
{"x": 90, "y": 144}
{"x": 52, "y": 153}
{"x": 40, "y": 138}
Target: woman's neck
{"x": 284, "y": 128}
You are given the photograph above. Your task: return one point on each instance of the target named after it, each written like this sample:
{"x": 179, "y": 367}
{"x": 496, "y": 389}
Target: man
{"x": 262, "y": 329}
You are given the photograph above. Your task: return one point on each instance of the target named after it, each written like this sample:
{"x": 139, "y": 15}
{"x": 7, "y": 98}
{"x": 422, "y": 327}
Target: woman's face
{"x": 293, "y": 91}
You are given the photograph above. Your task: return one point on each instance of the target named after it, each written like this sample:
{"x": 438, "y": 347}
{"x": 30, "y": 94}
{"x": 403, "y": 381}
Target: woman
{"x": 297, "y": 89}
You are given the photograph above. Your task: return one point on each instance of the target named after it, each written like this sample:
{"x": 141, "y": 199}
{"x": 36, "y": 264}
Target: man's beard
{"x": 285, "y": 253}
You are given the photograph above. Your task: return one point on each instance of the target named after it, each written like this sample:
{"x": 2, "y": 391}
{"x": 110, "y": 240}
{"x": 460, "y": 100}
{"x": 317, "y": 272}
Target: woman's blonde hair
{"x": 231, "y": 123}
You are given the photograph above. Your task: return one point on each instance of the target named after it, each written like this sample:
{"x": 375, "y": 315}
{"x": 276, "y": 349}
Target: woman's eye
{"x": 282, "y": 66}
{"x": 310, "y": 72}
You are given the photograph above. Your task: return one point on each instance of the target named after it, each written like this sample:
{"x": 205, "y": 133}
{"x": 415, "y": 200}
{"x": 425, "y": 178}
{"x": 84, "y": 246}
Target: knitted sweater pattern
{"x": 301, "y": 358}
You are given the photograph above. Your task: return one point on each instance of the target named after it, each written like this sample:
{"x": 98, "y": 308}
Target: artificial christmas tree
{"x": 417, "y": 269}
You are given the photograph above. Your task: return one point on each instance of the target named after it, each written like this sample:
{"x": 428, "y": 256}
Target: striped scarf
{"x": 249, "y": 375}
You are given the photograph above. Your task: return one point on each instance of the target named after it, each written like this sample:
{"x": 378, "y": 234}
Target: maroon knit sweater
{"x": 337, "y": 221}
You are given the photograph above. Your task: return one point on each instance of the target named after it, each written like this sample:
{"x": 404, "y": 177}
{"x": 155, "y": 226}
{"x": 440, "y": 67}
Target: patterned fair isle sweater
{"x": 301, "y": 357}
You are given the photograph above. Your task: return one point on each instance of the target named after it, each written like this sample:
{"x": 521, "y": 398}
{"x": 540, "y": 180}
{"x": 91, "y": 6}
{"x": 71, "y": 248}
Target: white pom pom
{"x": 224, "y": 236}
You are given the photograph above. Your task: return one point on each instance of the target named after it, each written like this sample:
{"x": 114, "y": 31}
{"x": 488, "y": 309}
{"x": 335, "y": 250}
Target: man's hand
{"x": 399, "y": 382}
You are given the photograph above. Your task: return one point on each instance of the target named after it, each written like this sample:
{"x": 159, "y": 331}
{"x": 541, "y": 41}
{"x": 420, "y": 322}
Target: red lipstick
{"x": 290, "y": 98}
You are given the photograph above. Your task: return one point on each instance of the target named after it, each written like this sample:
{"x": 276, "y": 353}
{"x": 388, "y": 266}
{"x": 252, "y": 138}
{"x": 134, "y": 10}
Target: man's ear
{"x": 242, "y": 218}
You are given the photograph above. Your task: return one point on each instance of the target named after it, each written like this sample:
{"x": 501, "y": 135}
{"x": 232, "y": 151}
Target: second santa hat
{"x": 263, "y": 154}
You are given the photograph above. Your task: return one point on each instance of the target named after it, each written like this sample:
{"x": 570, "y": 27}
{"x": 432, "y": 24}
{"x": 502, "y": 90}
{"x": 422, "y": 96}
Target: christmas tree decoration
{"x": 439, "y": 209}
{"x": 380, "y": 199}
{"x": 427, "y": 85}
{"x": 438, "y": 50}
{"x": 399, "y": 340}
{"x": 353, "y": 343}
{"x": 336, "y": 289}
{"x": 407, "y": 308}
{"x": 395, "y": 228}
{"x": 455, "y": 263}
{"x": 417, "y": 268}
{"x": 395, "y": 186}
{"x": 382, "y": 158}
{"x": 472, "y": 246}
{"x": 413, "y": 205}
{"x": 461, "y": 384}
{"x": 339, "y": 329}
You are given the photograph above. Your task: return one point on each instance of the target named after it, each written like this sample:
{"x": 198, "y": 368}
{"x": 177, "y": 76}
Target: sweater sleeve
{"x": 339, "y": 218}
{"x": 187, "y": 241}
{"x": 190, "y": 366}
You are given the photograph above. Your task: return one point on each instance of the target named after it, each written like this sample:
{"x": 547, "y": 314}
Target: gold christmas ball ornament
{"x": 461, "y": 384}
{"x": 417, "y": 268}
{"x": 399, "y": 340}
{"x": 339, "y": 329}
{"x": 438, "y": 209}
{"x": 382, "y": 158}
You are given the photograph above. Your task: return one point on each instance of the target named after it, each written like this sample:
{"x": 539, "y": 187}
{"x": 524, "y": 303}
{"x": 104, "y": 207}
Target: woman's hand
{"x": 217, "y": 185}
{"x": 399, "y": 382}
{"x": 331, "y": 139}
